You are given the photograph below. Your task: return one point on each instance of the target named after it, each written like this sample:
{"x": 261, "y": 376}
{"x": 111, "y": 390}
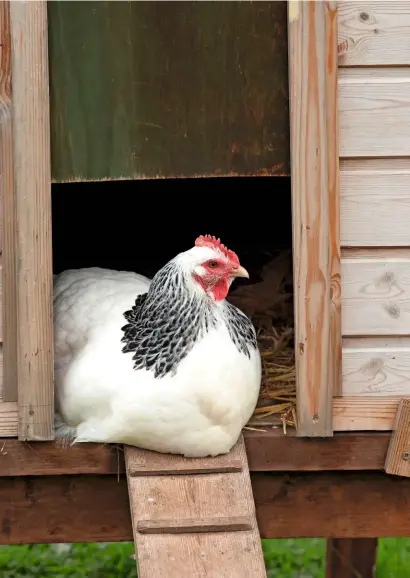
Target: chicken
{"x": 165, "y": 364}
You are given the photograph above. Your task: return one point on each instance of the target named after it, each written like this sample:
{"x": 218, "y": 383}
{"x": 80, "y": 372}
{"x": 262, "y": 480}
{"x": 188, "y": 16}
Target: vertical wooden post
{"x": 7, "y": 216}
{"x": 315, "y": 206}
{"x": 398, "y": 455}
{"x": 32, "y": 186}
{"x": 351, "y": 558}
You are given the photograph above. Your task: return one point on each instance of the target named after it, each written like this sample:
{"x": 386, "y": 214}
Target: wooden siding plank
{"x": 379, "y": 188}
{"x": 31, "y": 136}
{"x": 372, "y": 371}
{"x": 7, "y": 219}
{"x": 376, "y": 296}
{"x": 40, "y": 509}
{"x": 374, "y": 113}
{"x": 315, "y": 200}
{"x": 170, "y": 89}
{"x": 364, "y": 413}
{"x": 374, "y": 33}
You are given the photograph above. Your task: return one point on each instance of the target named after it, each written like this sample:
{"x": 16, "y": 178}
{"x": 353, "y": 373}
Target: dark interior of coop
{"x": 139, "y": 225}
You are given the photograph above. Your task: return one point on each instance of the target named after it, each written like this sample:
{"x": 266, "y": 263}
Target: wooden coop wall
{"x": 27, "y": 393}
{"x": 8, "y": 410}
{"x": 374, "y": 144}
{"x": 205, "y": 102}
{"x": 349, "y": 75}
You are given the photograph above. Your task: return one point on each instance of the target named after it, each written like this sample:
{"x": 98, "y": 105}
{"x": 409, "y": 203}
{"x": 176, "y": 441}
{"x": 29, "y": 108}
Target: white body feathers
{"x": 197, "y": 411}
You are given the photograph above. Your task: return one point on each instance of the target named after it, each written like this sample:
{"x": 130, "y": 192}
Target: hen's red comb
{"x": 214, "y": 243}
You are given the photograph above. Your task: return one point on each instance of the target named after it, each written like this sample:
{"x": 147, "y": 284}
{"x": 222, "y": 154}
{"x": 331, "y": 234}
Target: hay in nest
{"x": 269, "y": 304}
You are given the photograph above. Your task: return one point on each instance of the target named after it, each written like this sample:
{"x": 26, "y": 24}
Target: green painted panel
{"x": 161, "y": 89}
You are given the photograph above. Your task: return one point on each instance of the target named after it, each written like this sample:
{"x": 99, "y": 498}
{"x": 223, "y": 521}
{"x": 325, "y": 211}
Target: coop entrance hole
{"x": 139, "y": 225}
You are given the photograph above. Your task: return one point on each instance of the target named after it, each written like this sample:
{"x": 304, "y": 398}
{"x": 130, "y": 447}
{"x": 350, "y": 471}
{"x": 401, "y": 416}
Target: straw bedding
{"x": 269, "y": 303}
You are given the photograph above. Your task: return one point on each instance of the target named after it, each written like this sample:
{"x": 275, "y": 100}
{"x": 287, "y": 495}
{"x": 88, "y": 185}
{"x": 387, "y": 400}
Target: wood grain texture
{"x": 315, "y": 202}
{"x": 31, "y": 136}
{"x": 7, "y": 220}
{"x": 68, "y": 508}
{"x": 376, "y": 296}
{"x": 351, "y": 558}
{"x": 374, "y": 112}
{"x": 376, "y": 187}
{"x": 8, "y": 410}
{"x": 8, "y": 419}
{"x": 398, "y": 455}
{"x": 350, "y": 413}
{"x": 147, "y": 463}
{"x": 379, "y": 371}
{"x": 374, "y": 33}
{"x": 183, "y": 501}
{"x": 1, "y": 306}
{"x": 195, "y": 525}
{"x": 171, "y": 89}
{"x": 267, "y": 451}
{"x": 367, "y": 413}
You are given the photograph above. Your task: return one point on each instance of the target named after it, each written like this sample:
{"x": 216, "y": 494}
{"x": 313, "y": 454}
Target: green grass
{"x": 284, "y": 559}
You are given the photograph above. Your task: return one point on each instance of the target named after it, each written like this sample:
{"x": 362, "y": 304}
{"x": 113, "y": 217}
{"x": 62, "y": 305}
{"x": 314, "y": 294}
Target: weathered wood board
{"x": 40, "y": 509}
{"x": 351, "y": 558}
{"x": 315, "y": 212}
{"x": 379, "y": 371}
{"x": 32, "y": 194}
{"x": 376, "y": 295}
{"x": 398, "y": 455}
{"x": 168, "y": 89}
{"x": 364, "y": 413}
{"x": 374, "y": 121}
{"x": 374, "y": 112}
{"x": 193, "y": 517}
{"x": 8, "y": 307}
{"x": 268, "y": 450}
{"x": 380, "y": 188}
{"x": 374, "y": 32}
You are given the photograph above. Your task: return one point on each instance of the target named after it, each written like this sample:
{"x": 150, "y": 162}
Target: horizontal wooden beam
{"x": 350, "y": 414}
{"x": 269, "y": 451}
{"x": 69, "y": 508}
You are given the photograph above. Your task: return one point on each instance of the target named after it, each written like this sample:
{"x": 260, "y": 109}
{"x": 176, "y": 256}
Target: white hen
{"x": 182, "y": 376}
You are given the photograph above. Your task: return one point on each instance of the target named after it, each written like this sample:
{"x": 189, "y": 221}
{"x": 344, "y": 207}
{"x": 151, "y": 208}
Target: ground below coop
{"x": 140, "y": 225}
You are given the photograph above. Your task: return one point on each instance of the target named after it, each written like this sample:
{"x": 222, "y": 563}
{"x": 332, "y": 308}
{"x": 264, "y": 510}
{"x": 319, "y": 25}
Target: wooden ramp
{"x": 193, "y": 518}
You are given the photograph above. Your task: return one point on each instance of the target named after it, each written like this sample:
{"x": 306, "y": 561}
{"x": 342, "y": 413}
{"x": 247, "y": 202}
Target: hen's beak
{"x": 239, "y": 271}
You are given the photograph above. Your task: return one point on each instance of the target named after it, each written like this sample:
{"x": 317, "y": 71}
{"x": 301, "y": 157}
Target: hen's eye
{"x": 213, "y": 264}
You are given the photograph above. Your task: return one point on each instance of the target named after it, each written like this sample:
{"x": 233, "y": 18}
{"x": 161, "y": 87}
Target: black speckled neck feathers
{"x": 165, "y": 323}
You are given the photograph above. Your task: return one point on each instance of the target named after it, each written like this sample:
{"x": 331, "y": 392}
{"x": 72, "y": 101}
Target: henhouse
{"x": 127, "y": 129}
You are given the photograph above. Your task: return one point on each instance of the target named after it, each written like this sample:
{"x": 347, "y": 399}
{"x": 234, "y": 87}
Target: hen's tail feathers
{"x": 64, "y": 434}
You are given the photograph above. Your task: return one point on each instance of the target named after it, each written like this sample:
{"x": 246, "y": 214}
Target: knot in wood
{"x": 388, "y": 278}
{"x": 373, "y": 367}
{"x": 393, "y": 310}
